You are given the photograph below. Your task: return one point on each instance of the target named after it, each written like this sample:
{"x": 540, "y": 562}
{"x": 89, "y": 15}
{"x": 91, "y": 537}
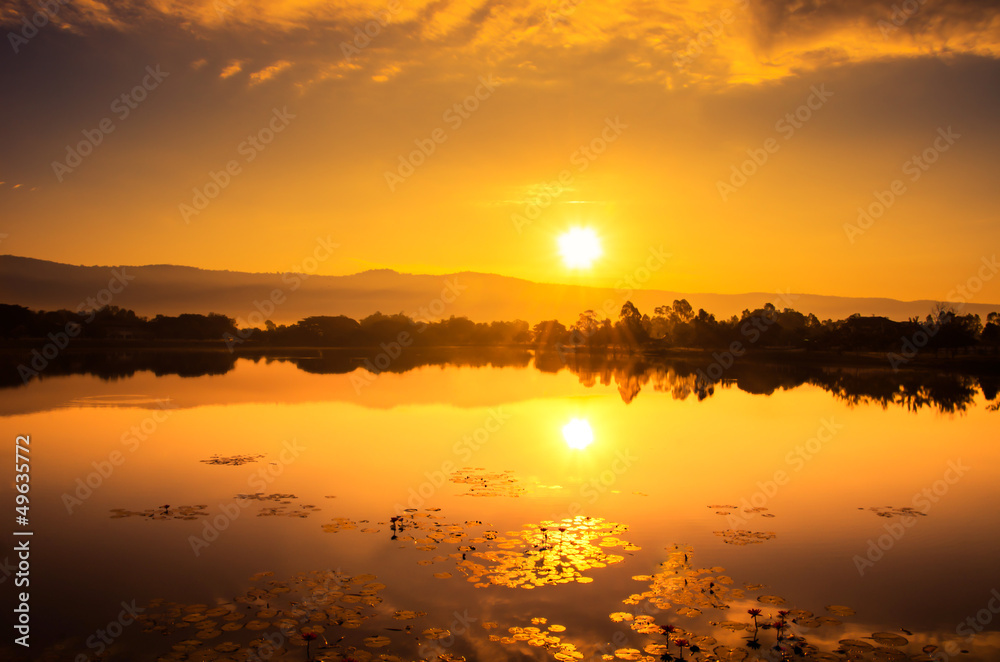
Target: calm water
{"x": 657, "y": 513}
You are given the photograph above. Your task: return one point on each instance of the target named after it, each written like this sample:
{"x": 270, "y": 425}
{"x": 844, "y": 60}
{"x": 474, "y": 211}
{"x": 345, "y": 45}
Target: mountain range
{"x": 286, "y": 298}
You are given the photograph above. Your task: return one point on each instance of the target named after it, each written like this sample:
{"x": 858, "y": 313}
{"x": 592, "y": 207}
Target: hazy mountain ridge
{"x": 173, "y": 289}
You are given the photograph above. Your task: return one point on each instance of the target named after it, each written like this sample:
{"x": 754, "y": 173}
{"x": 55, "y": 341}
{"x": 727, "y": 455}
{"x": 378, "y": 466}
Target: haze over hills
{"x": 286, "y": 298}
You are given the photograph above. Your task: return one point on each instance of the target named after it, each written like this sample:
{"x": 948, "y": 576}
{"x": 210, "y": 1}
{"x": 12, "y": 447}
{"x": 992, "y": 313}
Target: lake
{"x": 207, "y": 506}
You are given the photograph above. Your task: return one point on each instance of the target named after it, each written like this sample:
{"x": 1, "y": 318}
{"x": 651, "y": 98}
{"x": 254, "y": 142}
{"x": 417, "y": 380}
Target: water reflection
{"x": 869, "y": 384}
{"x": 578, "y": 434}
{"x": 856, "y": 385}
{"x": 453, "y": 502}
{"x": 678, "y": 611}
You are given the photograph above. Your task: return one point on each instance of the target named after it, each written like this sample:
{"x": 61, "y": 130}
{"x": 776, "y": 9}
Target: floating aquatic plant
{"x": 745, "y": 537}
{"x": 892, "y": 511}
{"x": 282, "y": 509}
{"x": 484, "y": 483}
{"x": 339, "y": 611}
{"x": 232, "y": 460}
{"x": 308, "y": 637}
{"x": 163, "y": 512}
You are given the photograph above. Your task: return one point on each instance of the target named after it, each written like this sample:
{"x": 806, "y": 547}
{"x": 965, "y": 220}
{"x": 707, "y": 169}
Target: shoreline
{"x": 944, "y": 360}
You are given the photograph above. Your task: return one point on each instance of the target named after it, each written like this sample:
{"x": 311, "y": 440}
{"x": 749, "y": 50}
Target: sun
{"x": 579, "y": 247}
{"x": 578, "y": 434}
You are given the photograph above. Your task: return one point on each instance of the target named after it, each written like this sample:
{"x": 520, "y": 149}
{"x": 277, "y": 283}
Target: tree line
{"x": 674, "y": 326}
{"x": 679, "y": 326}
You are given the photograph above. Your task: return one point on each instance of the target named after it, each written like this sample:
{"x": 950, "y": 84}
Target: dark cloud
{"x": 931, "y": 21}
{"x": 689, "y": 43}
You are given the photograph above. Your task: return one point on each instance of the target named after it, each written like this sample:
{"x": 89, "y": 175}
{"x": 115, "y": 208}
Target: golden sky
{"x": 642, "y": 120}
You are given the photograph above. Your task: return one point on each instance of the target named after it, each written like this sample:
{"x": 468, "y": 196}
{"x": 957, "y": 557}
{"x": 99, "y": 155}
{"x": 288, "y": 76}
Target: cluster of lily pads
{"x": 272, "y": 618}
{"x": 163, "y": 512}
{"x": 282, "y": 509}
{"x": 549, "y": 639}
{"x": 894, "y": 511}
{"x": 771, "y": 633}
{"x": 328, "y": 615}
{"x": 548, "y": 552}
{"x": 743, "y": 536}
{"x": 233, "y": 460}
{"x": 483, "y": 483}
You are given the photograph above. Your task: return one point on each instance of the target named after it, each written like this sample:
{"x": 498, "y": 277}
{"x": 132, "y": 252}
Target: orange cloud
{"x": 267, "y": 73}
{"x": 231, "y": 69}
{"x": 685, "y": 43}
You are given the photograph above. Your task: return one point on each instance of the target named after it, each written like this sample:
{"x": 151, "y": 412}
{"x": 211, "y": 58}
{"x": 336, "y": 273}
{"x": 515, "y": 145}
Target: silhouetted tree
{"x": 549, "y": 333}
{"x": 629, "y": 327}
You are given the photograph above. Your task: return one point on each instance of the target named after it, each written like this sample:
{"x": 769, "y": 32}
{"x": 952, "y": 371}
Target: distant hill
{"x": 171, "y": 290}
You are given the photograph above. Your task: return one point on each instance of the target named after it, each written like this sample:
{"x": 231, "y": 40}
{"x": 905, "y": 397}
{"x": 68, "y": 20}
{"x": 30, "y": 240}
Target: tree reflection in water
{"x": 863, "y": 383}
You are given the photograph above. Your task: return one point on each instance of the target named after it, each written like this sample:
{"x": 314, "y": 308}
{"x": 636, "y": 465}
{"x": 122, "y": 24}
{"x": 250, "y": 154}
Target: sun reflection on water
{"x": 578, "y": 433}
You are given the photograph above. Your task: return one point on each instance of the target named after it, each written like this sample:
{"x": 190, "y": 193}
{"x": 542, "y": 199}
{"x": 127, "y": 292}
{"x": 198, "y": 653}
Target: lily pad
{"x": 890, "y": 639}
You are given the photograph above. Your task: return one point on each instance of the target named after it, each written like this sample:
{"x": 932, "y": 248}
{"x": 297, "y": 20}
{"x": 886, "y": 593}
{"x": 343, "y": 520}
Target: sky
{"x": 842, "y": 147}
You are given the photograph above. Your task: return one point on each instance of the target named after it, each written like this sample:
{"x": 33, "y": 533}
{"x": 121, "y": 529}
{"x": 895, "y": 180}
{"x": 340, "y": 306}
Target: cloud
{"x": 683, "y": 44}
{"x": 811, "y": 34}
{"x": 267, "y": 73}
{"x": 781, "y": 21}
{"x": 387, "y": 73}
{"x": 231, "y": 69}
